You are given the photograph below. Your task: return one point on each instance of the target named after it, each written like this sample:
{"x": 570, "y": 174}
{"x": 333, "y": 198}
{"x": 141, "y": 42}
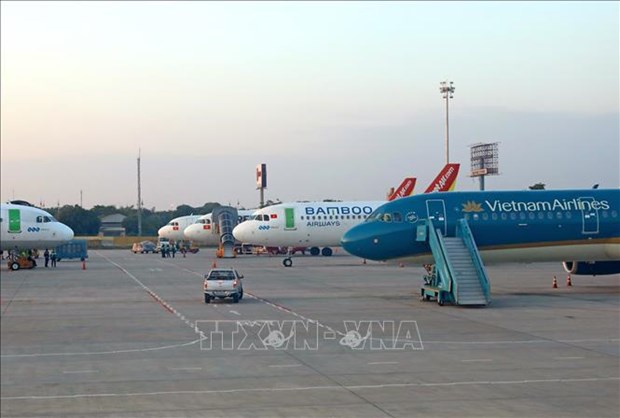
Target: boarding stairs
{"x": 458, "y": 275}
{"x": 226, "y": 218}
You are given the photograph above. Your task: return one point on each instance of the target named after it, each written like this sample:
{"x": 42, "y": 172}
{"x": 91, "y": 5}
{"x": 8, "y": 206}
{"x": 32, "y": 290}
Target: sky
{"x": 341, "y": 100}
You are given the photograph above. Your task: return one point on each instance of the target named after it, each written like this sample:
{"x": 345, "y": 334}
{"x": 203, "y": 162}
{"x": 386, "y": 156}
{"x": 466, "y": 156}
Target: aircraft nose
{"x": 189, "y": 232}
{"x": 357, "y": 241}
{"x": 242, "y": 232}
{"x": 161, "y": 231}
{"x": 67, "y": 233}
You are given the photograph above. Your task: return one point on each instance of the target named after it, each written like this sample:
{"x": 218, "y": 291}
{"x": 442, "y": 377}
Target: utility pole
{"x": 447, "y": 89}
{"x": 139, "y": 199}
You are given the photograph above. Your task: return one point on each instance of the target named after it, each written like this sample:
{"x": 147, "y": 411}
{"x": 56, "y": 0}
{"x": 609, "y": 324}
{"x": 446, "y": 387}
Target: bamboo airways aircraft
{"x": 319, "y": 224}
{"x": 24, "y": 227}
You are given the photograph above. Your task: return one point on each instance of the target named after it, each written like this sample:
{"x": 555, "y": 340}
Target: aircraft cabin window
{"x": 614, "y": 214}
{"x": 541, "y": 215}
{"x": 513, "y": 216}
{"x": 494, "y": 216}
{"x": 568, "y": 215}
{"x": 522, "y": 216}
{"x": 39, "y": 219}
{"x": 485, "y": 216}
{"x": 558, "y": 215}
{"x": 265, "y": 217}
{"x": 532, "y": 215}
{"x": 604, "y": 214}
{"x": 387, "y": 217}
{"x": 504, "y": 216}
{"x": 466, "y": 216}
{"x": 549, "y": 215}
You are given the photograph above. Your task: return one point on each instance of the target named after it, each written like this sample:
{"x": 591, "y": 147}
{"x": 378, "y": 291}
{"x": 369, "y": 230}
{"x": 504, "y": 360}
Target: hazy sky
{"x": 339, "y": 99}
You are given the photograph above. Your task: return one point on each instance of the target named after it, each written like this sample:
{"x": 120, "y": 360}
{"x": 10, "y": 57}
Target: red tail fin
{"x": 405, "y": 189}
{"x": 445, "y": 180}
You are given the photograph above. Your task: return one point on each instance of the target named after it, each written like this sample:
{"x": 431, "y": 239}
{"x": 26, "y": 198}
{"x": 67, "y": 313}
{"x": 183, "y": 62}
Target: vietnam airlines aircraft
{"x": 27, "y": 227}
{"x": 173, "y": 230}
{"x": 580, "y": 228}
{"x": 204, "y": 232}
{"x": 316, "y": 224}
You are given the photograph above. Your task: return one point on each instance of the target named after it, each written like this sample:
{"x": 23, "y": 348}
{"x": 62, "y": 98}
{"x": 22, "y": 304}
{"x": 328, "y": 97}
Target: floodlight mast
{"x": 446, "y": 88}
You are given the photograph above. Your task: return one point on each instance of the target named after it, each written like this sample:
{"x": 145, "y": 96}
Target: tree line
{"x": 87, "y": 221}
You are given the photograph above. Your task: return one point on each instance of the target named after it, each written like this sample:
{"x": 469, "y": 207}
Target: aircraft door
{"x": 436, "y": 210}
{"x": 15, "y": 223}
{"x": 289, "y": 219}
{"x": 589, "y": 216}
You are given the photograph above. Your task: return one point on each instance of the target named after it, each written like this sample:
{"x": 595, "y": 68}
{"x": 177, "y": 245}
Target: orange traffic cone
{"x": 568, "y": 281}
{"x": 555, "y": 283}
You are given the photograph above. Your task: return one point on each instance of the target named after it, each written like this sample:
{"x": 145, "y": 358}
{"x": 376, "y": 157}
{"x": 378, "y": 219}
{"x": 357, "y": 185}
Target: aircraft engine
{"x": 592, "y": 268}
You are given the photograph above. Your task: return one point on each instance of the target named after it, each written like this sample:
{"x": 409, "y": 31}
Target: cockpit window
{"x": 375, "y": 216}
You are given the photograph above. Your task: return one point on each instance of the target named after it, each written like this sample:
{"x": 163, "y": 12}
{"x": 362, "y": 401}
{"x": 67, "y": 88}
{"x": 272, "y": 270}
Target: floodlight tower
{"x": 447, "y": 89}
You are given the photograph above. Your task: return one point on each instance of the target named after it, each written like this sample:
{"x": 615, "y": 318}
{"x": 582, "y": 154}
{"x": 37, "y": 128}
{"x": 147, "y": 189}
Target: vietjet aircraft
{"x": 173, "y": 230}
{"x": 203, "y": 231}
{"x": 27, "y": 227}
{"x": 315, "y": 224}
{"x": 405, "y": 189}
{"x": 516, "y": 226}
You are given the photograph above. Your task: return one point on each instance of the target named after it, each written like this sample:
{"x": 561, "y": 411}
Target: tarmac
{"x": 131, "y": 336}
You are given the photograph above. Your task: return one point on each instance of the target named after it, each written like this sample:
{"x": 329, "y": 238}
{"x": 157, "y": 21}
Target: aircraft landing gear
{"x": 287, "y": 262}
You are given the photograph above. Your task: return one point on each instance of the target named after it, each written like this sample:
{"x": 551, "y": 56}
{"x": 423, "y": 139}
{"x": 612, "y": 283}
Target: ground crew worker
{"x": 46, "y": 255}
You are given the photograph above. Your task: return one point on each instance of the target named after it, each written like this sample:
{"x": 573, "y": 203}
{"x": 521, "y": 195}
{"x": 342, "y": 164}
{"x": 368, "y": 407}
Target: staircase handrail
{"x": 466, "y": 235}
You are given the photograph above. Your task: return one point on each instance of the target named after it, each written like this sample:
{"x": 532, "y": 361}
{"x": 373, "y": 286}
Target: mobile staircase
{"x": 458, "y": 275}
{"x": 226, "y": 218}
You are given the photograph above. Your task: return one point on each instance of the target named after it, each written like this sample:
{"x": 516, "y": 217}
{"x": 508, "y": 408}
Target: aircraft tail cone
{"x": 568, "y": 281}
{"x": 555, "y": 283}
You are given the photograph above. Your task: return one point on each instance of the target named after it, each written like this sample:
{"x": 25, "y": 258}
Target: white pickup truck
{"x": 223, "y": 283}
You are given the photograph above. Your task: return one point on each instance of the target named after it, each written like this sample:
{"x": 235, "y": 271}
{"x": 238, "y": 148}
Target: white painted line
{"x": 79, "y": 371}
{"x": 309, "y": 388}
{"x": 383, "y": 362}
{"x": 285, "y": 365}
{"x": 185, "y": 368}
{"x": 568, "y": 358}
{"x": 94, "y": 353}
{"x": 235, "y": 312}
{"x": 473, "y": 360}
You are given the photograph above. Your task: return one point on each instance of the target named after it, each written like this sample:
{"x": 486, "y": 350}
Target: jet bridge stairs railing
{"x": 458, "y": 275}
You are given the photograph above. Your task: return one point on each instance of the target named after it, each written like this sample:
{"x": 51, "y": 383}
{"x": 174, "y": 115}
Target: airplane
{"x": 173, "y": 230}
{"x": 27, "y": 228}
{"x": 315, "y": 224}
{"x": 580, "y": 228}
{"x": 202, "y": 231}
